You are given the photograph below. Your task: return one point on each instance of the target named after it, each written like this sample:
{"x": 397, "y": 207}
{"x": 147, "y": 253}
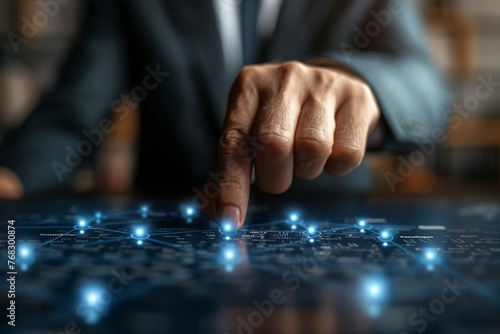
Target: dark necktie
{"x": 250, "y": 10}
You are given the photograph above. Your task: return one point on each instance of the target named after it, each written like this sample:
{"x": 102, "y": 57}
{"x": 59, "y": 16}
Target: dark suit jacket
{"x": 181, "y": 117}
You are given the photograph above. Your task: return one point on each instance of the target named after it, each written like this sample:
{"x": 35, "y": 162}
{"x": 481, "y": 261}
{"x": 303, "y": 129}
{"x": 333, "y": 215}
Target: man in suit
{"x": 320, "y": 77}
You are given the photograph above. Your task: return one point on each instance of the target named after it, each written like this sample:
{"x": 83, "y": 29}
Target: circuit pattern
{"x": 179, "y": 247}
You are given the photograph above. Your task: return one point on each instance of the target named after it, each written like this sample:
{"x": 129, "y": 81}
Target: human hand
{"x": 289, "y": 119}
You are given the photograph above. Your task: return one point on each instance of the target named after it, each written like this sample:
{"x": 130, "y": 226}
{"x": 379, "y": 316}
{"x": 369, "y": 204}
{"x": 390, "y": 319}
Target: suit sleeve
{"x": 387, "y": 48}
{"x": 93, "y": 77}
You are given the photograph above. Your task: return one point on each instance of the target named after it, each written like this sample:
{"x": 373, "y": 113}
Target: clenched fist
{"x": 289, "y": 119}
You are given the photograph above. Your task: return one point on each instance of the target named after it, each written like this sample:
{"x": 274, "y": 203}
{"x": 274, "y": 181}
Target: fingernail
{"x": 232, "y": 214}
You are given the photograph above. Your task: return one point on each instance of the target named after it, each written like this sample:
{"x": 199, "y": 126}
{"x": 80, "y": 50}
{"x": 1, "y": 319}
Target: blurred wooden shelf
{"x": 475, "y": 133}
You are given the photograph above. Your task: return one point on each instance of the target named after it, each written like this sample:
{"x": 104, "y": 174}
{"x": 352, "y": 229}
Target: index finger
{"x": 236, "y": 151}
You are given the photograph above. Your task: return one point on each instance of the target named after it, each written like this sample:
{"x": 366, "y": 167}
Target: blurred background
{"x": 464, "y": 37}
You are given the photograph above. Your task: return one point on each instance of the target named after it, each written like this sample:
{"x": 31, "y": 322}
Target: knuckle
{"x": 247, "y": 76}
{"x": 231, "y": 140}
{"x": 292, "y": 67}
{"x": 324, "y": 78}
{"x": 362, "y": 94}
{"x": 364, "y": 88}
{"x": 348, "y": 155}
{"x": 233, "y": 184}
{"x": 232, "y": 191}
{"x": 313, "y": 144}
{"x": 275, "y": 144}
{"x": 359, "y": 90}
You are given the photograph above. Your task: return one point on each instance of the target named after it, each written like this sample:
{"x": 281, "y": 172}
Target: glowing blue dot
{"x": 294, "y": 227}
{"x": 385, "y": 234}
{"x": 311, "y": 240}
{"x": 362, "y": 223}
{"x": 82, "y": 223}
{"x": 228, "y": 227}
{"x": 82, "y": 231}
{"x": 227, "y": 238}
{"x": 430, "y": 255}
{"x": 362, "y": 230}
{"x": 25, "y": 252}
{"x": 311, "y": 229}
{"x": 189, "y": 211}
{"x": 229, "y": 255}
{"x": 294, "y": 217}
{"x": 385, "y": 244}
{"x": 98, "y": 215}
{"x": 92, "y": 298}
{"x": 144, "y": 209}
{"x": 374, "y": 290}
{"x": 139, "y": 232}
{"x": 139, "y": 242}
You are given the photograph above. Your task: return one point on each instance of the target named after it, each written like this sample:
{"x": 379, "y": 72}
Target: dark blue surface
{"x": 436, "y": 271}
